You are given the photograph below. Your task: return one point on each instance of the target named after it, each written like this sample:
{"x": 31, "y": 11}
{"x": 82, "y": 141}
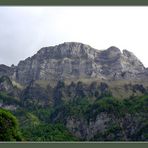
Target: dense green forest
{"x": 127, "y": 120}
{"x": 76, "y": 115}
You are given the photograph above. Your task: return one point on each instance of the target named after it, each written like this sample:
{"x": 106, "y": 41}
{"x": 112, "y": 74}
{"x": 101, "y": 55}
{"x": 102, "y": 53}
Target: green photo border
{"x": 74, "y": 145}
{"x": 74, "y": 3}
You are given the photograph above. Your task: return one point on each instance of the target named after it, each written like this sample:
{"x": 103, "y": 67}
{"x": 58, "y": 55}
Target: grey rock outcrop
{"x": 5, "y": 70}
{"x": 73, "y": 60}
{"x": 7, "y": 87}
{"x": 6, "y": 84}
{"x": 86, "y": 130}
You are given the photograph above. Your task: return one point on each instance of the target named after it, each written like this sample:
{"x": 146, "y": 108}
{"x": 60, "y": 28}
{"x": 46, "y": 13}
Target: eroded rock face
{"x": 73, "y": 60}
{"x": 86, "y": 130}
{"x": 5, "y": 70}
{"x": 6, "y": 86}
{"x": 68, "y": 60}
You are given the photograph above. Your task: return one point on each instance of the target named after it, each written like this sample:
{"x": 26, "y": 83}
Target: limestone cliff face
{"x": 65, "y": 61}
{"x": 73, "y": 60}
{"x": 6, "y": 70}
{"x": 6, "y": 86}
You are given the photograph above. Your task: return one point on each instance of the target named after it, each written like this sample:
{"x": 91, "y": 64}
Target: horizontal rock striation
{"x": 72, "y": 60}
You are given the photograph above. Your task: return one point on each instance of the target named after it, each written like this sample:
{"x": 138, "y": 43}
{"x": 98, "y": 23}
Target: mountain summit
{"x": 72, "y": 60}
{"x": 95, "y": 95}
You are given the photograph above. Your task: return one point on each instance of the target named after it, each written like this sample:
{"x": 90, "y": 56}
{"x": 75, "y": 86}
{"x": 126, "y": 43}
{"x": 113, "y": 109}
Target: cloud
{"x": 24, "y": 30}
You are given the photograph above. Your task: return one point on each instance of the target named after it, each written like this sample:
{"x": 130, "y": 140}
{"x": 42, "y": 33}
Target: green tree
{"x": 47, "y": 132}
{"x": 9, "y": 130}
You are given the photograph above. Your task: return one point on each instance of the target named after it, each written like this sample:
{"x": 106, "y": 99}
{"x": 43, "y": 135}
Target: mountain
{"x": 70, "y": 61}
{"x": 95, "y": 94}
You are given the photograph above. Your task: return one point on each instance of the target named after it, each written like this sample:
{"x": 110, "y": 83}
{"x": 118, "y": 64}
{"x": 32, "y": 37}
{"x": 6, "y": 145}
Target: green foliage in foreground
{"x": 47, "y": 132}
{"x": 49, "y": 124}
{"x": 33, "y": 128}
{"x": 8, "y": 127}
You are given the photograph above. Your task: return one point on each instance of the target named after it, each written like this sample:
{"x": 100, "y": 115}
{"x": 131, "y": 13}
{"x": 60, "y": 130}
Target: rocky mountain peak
{"x": 72, "y": 61}
{"x": 127, "y": 53}
{"x": 66, "y": 50}
{"x": 110, "y": 53}
{"x": 5, "y": 70}
{"x": 114, "y": 49}
{"x": 130, "y": 60}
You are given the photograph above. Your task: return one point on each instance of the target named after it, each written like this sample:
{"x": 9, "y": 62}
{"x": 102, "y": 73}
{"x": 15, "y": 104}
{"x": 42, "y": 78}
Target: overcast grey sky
{"x": 24, "y": 30}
